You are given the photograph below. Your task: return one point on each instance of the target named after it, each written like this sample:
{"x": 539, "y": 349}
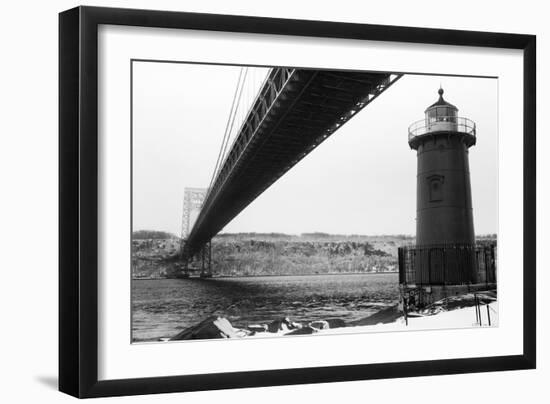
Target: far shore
{"x": 268, "y": 275}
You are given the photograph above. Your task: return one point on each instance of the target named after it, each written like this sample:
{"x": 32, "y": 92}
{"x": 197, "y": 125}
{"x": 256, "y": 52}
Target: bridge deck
{"x": 294, "y": 112}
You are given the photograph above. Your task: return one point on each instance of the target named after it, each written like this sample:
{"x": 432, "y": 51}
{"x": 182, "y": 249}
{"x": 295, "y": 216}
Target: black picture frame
{"x": 78, "y": 201}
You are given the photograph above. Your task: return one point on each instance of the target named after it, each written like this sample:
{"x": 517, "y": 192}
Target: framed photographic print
{"x": 251, "y": 201}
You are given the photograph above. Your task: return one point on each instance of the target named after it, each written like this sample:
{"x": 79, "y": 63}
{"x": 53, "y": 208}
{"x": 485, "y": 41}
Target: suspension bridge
{"x": 293, "y": 112}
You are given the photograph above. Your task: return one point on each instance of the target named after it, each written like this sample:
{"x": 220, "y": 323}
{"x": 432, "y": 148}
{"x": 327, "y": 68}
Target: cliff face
{"x": 296, "y": 256}
{"x": 151, "y": 257}
{"x": 274, "y": 254}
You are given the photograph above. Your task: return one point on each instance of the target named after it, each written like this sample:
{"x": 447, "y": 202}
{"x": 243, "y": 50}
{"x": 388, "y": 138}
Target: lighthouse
{"x": 442, "y": 141}
{"x": 444, "y": 256}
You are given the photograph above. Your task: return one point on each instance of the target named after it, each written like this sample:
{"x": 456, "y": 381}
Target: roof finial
{"x": 440, "y": 91}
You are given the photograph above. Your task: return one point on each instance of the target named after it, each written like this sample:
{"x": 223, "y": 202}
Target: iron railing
{"x": 447, "y": 264}
{"x": 442, "y": 124}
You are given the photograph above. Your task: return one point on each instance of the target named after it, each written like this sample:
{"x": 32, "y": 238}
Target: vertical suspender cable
{"x": 233, "y": 119}
{"x": 225, "y": 135}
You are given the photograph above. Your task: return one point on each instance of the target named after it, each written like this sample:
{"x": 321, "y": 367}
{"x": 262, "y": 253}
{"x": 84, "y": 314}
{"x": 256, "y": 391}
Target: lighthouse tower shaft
{"x": 444, "y": 212}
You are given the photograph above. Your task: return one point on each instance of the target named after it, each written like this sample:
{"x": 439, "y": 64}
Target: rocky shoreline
{"x": 456, "y": 311}
{"x": 220, "y": 327}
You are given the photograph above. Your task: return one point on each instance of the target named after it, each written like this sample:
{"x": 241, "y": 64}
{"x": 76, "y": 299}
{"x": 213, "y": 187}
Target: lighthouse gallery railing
{"x": 442, "y": 124}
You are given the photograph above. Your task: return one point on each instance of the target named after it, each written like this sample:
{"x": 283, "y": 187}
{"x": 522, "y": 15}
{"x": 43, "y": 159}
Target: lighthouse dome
{"x": 441, "y": 108}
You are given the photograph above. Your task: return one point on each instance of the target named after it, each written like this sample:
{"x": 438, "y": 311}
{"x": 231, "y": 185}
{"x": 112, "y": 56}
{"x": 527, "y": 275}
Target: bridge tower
{"x": 192, "y": 203}
{"x": 193, "y": 199}
{"x": 445, "y": 251}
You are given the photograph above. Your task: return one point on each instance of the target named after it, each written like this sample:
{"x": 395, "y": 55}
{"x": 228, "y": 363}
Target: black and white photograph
{"x": 276, "y": 201}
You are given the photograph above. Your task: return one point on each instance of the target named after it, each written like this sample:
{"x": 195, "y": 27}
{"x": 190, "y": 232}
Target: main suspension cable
{"x": 233, "y": 119}
{"x": 226, "y": 134}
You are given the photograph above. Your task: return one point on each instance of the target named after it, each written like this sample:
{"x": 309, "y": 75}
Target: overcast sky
{"x": 361, "y": 180}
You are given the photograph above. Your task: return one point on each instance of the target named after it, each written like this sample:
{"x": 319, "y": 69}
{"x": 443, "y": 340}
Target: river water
{"x": 161, "y": 308}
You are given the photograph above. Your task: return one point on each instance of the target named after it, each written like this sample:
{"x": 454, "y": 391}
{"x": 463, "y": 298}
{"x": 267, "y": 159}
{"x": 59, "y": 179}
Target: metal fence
{"x": 442, "y": 123}
{"x": 447, "y": 264}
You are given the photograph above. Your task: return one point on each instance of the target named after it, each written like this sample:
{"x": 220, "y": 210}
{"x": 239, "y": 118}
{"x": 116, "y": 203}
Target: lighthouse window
{"x": 442, "y": 114}
{"x": 436, "y": 188}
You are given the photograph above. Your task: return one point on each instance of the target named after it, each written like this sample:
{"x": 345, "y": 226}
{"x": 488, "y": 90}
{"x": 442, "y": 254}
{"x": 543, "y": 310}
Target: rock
{"x": 320, "y": 325}
{"x": 387, "y": 315}
{"x": 212, "y": 327}
{"x": 277, "y": 325}
{"x": 336, "y": 322}
{"x": 258, "y": 327}
{"x": 306, "y": 330}
{"x": 282, "y": 325}
{"x": 240, "y": 333}
{"x": 296, "y": 325}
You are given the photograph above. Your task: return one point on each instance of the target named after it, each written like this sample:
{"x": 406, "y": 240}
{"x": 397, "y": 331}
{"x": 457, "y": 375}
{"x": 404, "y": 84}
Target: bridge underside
{"x": 295, "y": 111}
